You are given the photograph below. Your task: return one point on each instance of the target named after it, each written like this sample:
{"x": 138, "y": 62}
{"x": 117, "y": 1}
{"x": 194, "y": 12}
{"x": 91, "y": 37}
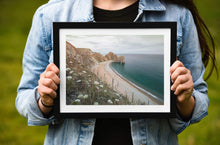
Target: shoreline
{"x": 136, "y": 86}
{"x": 106, "y": 73}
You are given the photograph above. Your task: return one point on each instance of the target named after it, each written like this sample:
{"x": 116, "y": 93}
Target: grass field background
{"x": 15, "y": 23}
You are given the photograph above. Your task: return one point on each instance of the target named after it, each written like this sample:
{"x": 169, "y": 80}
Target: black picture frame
{"x": 165, "y": 32}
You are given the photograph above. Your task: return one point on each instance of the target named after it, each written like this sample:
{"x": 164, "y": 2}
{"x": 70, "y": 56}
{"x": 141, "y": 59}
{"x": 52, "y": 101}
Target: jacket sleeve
{"x": 35, "y": 60}
{"x": 190, "y": 56}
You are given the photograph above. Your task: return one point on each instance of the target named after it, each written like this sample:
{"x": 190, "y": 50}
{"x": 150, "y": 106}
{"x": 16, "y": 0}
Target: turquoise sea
{"x": 144, "y": 70}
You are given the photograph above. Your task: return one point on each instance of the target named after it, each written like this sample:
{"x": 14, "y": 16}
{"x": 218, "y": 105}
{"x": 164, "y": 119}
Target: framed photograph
{"x": 112, "y": 70}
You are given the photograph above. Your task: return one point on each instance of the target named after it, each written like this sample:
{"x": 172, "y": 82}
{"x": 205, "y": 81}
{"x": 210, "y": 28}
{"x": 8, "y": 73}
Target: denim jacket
{"x": 39, "y": 53}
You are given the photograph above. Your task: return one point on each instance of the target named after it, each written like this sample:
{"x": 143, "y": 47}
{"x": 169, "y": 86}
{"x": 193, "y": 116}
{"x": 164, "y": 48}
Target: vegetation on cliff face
{"x": 82, "y": 86}
{"x": 85, "y": 88}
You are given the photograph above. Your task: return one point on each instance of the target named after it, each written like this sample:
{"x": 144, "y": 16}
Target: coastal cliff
{"x": 83, "y": 85}
{"x": 115, "y": 58}
{"x": 88, "y": 58}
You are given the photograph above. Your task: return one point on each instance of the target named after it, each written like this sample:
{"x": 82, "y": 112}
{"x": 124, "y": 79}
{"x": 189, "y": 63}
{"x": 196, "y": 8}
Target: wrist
{"x": 44, "y": 108}
{"x": 185, "y": 109}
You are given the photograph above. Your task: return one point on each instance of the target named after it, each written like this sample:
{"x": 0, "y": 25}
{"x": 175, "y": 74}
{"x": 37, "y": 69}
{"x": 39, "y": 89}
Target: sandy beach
{"x": 107, "y": 74}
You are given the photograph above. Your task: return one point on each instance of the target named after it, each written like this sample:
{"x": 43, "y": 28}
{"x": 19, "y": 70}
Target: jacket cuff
{"x": 199, "y": 112}
{"x": 35, "y": 116}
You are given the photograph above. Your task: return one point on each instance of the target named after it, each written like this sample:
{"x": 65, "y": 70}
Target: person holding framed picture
{"x": 40, "y": 79}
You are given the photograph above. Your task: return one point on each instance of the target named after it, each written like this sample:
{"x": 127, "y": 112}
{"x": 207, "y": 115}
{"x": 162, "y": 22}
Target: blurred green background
{"x": 15, "y": 23}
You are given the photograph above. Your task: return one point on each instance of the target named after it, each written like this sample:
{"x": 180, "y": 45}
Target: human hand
{"x": 183, "y": 87}
{"x": 47, "y": 86}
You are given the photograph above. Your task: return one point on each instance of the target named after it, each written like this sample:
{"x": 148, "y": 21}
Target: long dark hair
{"x": 205, "y": 37}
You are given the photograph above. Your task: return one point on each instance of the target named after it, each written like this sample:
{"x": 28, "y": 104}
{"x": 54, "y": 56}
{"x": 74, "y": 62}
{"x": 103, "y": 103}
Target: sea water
{"x": 144, "y": 70}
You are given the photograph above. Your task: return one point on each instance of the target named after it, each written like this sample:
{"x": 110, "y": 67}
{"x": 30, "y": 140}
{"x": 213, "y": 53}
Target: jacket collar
{"x": 87, "y": 13}
{"x": 151, "y": 5}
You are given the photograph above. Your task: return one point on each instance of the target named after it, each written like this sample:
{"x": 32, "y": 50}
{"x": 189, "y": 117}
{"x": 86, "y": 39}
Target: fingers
{"x": 53, "y": 76}
{"x": 178, "y": 72}
{"x": 47, "y": 85}
{"x": 185, "y": 87}
{"x": 181, "y": 78}
{"x": 51, "y": 72}
{"x": 46, "y": 91}
{"x": 175, "y": 65}
{"x": 52, "y": 67}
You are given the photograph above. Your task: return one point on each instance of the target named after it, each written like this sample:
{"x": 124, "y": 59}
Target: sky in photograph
{"x": 119, "y": 44}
